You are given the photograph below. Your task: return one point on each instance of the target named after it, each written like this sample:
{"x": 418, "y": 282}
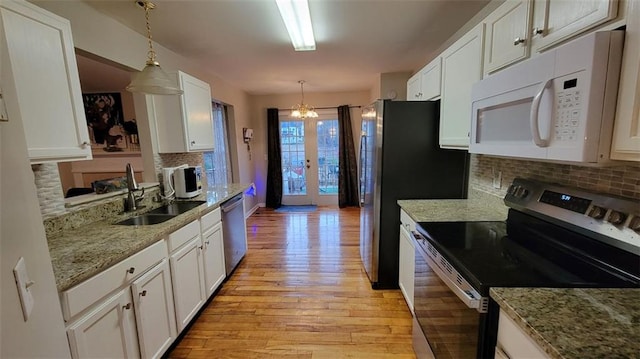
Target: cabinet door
{"x": 413, "y": 88}
{"x": 197, "y": 112}
{"x": 187, "y": 279}
{"x": 506, "y": 36}
{"x": 461, "y": 68}
{"x": 213, "y": 254}
{"x": 155, "y": 313}
{"x": 557, "y": 20}
{"x": 626, "y": 133}
{"x": 407, "y": 266}
{"x": 430, "y": 79}
{"x": 41, "y": 82}
{"x": 109, "y": 331}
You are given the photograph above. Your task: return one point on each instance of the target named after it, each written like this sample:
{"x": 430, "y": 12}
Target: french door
{"x": 309, "y": 160}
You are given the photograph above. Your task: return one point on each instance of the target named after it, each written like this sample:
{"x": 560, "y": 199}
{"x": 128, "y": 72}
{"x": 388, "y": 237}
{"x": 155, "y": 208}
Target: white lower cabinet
{"x": 514, "y": 343}
{"x": 188, "y": 281}
{"x": 407, "y": 266}
{"x": 155, "y": 318}
{"x": 109, "y": 331}
{"x": 406, "y": 270}
{"x": 213, "y": 255}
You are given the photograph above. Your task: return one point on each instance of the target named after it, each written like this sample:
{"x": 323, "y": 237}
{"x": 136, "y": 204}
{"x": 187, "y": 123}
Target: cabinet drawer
{"x": 210, "y": 219}
{"x": 183, "y": 235}
{"x": 83, "y": 295}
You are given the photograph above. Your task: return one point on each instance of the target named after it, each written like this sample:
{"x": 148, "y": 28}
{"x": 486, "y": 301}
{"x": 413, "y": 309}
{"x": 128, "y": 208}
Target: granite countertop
{"x": 478, "y": 208}
{"x": 576, "y": 323}
{"x": 80, "y": 253}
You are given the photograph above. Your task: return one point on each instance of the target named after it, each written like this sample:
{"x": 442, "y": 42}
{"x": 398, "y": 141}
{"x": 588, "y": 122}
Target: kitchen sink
{"x": 176, "y": 208}
{"x": 146, "y": 219}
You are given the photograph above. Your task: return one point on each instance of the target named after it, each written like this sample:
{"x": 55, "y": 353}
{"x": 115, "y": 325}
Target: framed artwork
{"x": 105, "y": 121}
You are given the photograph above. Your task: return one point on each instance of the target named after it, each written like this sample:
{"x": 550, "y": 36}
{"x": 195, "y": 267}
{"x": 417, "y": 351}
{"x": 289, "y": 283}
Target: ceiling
{"x": 245, "y": 42}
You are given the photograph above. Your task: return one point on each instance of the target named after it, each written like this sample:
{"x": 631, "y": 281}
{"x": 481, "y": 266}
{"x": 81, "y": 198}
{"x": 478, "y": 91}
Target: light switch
{"x": 24, "y": 284}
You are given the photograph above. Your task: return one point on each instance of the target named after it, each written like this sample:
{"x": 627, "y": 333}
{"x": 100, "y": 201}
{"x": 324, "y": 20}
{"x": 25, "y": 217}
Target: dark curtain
{"x": 274, "y": 166}
{"x": 348, "y": 168}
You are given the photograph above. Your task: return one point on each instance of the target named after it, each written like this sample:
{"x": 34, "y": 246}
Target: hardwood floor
{"x": 301, "y": 292}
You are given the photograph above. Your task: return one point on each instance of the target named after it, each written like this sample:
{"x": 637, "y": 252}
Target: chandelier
{"x": 303, "y": 110}
{"x": 152, "y": 79}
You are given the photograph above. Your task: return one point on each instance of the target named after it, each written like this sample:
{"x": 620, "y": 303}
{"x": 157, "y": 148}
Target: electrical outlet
{"x": 497, "y": 179}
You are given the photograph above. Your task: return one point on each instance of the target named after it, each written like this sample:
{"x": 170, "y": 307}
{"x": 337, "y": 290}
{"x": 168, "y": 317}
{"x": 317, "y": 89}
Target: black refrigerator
{"x": 400, "y": 158}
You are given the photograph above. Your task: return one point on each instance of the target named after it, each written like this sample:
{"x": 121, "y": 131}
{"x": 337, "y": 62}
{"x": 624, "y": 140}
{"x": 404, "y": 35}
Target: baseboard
{"x": 253, "y": 210}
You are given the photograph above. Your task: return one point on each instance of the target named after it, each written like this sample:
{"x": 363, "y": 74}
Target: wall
{"x": 621, "y": 179}
{"x": 260, "y": 104}
{"x": 22, "y": 235}
{"x": 125, "y": 47}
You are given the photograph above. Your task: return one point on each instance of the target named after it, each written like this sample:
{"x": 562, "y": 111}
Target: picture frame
{"x": 105, "y": 121}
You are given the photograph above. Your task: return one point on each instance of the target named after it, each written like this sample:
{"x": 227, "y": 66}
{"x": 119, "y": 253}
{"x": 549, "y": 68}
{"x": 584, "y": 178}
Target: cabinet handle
{"x": 517, "y": 41}
{"x": 200, "y": 247}
{"x": 193, "y": 143}
{"x": 84, "y": 144}
{"x": 131, "y": 270}
{"x": 206, "y": 242}
{"x": 144, "y": 293}
{"x": 537, "y": 31}
{"x": 127, "y": 307}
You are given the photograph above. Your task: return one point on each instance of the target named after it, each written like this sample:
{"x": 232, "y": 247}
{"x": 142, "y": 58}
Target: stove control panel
{"x": 615, "y": 219}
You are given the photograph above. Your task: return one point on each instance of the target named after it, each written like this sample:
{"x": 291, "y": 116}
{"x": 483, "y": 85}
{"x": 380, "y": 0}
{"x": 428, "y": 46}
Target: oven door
{"x": 451, "y": 325}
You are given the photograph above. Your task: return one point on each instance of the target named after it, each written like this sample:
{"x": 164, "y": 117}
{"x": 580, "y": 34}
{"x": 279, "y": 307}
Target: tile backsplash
{"x": 51, "y": 195}
{"x": 620, "y": 180}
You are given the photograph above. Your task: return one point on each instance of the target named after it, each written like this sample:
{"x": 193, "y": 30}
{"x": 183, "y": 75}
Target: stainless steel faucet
{"x": 131, "y": 202}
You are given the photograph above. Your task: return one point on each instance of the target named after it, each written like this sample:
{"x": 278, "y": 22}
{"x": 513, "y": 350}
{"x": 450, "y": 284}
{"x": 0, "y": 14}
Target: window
{"x": 217, "y": 164}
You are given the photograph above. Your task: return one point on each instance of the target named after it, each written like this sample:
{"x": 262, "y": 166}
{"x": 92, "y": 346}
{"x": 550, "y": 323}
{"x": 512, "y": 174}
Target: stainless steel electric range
{"x": 553, "y": 237}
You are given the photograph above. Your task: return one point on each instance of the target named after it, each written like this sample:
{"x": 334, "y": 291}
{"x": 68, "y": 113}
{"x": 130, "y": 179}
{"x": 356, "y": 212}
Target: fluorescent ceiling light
{"x": 295, "y": 14}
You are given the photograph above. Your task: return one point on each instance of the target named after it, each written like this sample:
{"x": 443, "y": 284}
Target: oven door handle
{"x": 468, "y": 299}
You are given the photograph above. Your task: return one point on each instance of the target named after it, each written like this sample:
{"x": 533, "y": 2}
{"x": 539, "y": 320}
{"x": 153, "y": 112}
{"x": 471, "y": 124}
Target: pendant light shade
{"x": 152, "y": 79}
{"x": 303, "y": 110}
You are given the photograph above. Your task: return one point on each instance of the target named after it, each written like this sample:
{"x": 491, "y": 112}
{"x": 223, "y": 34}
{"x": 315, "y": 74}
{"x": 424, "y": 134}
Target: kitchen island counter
{"x": 576, "y": 323}
{"x": 80, "y": 253}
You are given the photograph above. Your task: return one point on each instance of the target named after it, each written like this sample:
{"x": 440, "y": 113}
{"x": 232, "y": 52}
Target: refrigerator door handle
{"x": 363, "y": 168}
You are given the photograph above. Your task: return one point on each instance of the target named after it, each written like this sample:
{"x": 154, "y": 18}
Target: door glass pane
{"x": 327, "y": 157}
{"x": 293, "y": 158}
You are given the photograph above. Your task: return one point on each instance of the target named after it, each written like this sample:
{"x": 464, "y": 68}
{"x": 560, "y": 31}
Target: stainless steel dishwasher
{"x": 234, "y": 232}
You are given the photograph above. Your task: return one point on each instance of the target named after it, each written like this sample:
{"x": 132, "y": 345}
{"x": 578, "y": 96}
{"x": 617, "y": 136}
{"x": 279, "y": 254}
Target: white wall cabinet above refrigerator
{"x": 626, "y": 132}
{"x": 40, "y": 82}
{"x": 425, "y": 84}
{"x": 184, "y": 123}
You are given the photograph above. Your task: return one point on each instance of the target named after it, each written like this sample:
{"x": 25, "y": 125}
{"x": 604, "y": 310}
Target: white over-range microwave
{"x": 558, "y": 106}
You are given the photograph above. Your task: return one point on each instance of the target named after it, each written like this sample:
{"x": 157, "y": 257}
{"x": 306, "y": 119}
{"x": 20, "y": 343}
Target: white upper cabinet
{"x": 461, "y": 68}
{"x": 626, "y": 132}
{"x": 413, "y": 88}
{"x": 507, "y": 35}
{"x": 430, "y": 79}
{"x": 41, "y": 83}
{"x": 184, "y": 123}
{"x": 425, "y": 84}
{"x": 556, "y": 20}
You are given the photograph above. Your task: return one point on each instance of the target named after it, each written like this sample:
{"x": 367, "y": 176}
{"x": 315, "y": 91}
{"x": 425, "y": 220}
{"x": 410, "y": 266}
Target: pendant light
{"x": 152, "y": 79}
{"x": 303, "y": 110}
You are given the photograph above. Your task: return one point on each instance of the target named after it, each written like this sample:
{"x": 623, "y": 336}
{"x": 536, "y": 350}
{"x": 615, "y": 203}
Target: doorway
{"x": 310, "y": 160}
